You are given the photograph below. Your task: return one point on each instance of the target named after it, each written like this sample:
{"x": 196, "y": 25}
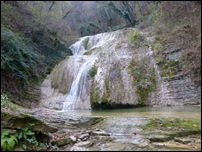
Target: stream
{"x": 125, "y": 126}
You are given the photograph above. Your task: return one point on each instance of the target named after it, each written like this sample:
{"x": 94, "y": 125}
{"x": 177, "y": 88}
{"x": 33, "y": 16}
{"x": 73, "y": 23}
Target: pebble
{"x": 73, "y": 138}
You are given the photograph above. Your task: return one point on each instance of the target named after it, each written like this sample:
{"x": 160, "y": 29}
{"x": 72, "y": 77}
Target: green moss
{"x": 86, "y": 43}
{"x": 175, "y": 124}
{"x": 88, "y": 52}
{"x": 157, "y": 44}
{"x": 93, "y": 71}
{"x": 143, "y": 78}
{"x": 134, "y": 37}
{"x": 94, "y": 96}
{"x": 104, "y": 102}
{"x": 107, "y": 90}
{"x": 169, "y": 67}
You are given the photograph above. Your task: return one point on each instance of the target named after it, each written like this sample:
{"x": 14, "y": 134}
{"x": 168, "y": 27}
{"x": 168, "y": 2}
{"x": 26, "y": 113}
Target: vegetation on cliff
{"x": 36, "y": 35}
{"x": 177, "y": 42}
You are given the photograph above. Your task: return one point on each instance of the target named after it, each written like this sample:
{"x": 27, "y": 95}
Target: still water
{"x": 127, "y": 125}
{"x": 188, "y": 111}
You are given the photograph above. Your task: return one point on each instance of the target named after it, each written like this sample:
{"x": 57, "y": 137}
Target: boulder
{"x": 18, "y": 121}
{"x": 159, "y": 138}
{"x": 182, "y": 140}
{"x": 61, "y": 142}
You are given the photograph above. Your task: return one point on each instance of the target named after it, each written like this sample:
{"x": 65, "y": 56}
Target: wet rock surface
{"x": 108, "y": 134}
{"x": 61, "y": 142}
{"x": 18, "y": 121}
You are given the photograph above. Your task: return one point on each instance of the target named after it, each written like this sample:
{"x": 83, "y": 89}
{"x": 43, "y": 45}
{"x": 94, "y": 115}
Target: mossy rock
{"x": 86, "y": 43}
{"x": 164, "y": 129}
{"x": 93, "y": 71}
{"x": 175, "y": 124}
{"x": 159, "y": 138}
{"x": 16, "y": 121}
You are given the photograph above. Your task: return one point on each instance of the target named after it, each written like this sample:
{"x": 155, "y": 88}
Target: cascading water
{"x": 73, "y": 100}
{"x": 74, "y": 94}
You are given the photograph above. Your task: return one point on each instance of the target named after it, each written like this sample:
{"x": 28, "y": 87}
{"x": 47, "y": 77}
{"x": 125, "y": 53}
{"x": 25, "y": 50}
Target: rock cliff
{"x": 115, "y": 69}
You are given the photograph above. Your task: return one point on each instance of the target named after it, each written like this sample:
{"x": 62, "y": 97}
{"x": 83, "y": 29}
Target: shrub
{"x": 4, "y": 101}
{"x": 8, "y": 141}
{"x": 133, "y": 37}
{"x": 19, "y": 61}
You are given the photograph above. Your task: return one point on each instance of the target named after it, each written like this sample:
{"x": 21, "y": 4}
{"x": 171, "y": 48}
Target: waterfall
{"x": 73, "y": 100}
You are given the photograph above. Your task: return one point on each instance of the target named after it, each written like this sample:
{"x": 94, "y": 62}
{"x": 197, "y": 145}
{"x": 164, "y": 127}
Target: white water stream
{"x": 73, "y": 100}
{"x": 74, "y": 94}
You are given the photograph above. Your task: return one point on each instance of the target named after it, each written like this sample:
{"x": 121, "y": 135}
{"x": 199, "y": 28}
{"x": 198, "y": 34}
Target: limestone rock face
{"x": 108, "y": 71}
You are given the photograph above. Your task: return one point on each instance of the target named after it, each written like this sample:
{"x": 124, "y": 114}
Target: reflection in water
{"x": 167, "y": 111}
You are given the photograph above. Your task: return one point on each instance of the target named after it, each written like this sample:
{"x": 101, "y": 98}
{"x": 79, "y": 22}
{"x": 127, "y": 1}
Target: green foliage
{"x": 24, "y": 147}
{"x": 178, "y": 26}
{"x": 169, "y": 67}
{"x": 134, "y": 37}
{"x": 126, "y": 14}
{"x": 28, "y": 136}
{"x": 23, "y": 63}
{"x": 91, "y": 28}
{"x": 8, "y": 141}
{"x": 157, "y": 45}
{"x": 18, "y": 59}
{"x": 4, "y": 101}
